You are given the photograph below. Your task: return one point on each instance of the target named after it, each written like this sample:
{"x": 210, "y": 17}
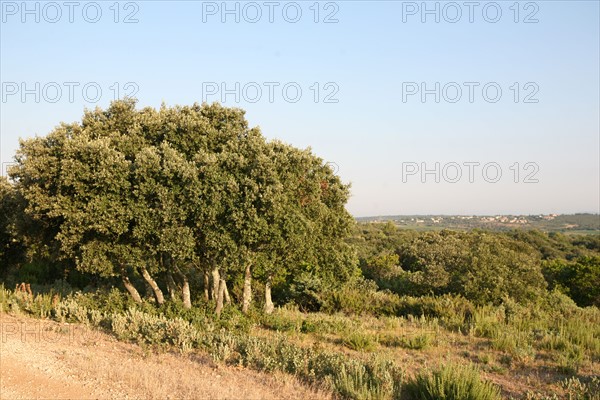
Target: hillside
{"x": 46, "y": 359}
{"x": 571, "y": 224}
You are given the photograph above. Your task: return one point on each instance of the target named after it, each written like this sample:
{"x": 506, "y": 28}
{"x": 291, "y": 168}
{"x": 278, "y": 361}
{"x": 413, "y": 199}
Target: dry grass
{"x": 516, "y": 371}
{"x": 88, "y": 358}
{"x": 173, "y": 376}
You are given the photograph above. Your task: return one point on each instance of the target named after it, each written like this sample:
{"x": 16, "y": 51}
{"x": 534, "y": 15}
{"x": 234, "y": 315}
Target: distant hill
{"x": 566, "y": 223}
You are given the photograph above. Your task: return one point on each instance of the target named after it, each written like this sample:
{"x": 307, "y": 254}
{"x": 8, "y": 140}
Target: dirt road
{"x": 42, "y": 359}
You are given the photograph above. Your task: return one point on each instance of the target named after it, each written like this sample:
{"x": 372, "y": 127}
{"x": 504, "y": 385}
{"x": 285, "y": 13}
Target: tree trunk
{"x": 130, "y": 288}
{"x": 185, "y": 291}
{"x": 226, "y": 293}
{"x": 268, "y": 301}
{"x": 185, "y": 287}
{"x": 160, "y": 299}
{"x": 215, "y": 283}
{"x": 206, "y": 286}
{"x": 171, "y": 287}
{"x": 247, "y": 296}
{"x": 220, "y": 293}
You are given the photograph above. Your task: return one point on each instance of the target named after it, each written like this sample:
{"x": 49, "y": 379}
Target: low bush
{"x": 451, "y": 382}
{"x": 376, "y": 380}
{"x": 359, "y": 342}
{"x": 417, "y": 342}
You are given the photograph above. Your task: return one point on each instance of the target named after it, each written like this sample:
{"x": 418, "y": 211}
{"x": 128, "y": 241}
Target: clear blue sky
{"x": 369, "y": 57}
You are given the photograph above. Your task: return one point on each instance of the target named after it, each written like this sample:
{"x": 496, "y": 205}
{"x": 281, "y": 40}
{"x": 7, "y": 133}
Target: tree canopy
{"x": 182, "y": 191}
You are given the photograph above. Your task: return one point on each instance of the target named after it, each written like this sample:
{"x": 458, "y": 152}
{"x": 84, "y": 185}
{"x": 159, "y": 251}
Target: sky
{"x": 423, "y": 107}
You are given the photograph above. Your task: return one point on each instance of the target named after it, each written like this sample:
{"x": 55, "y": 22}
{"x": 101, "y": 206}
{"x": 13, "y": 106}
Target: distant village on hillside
{"x": 567, "y": 223}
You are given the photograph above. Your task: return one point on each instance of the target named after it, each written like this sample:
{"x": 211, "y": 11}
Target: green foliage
{"x": 36, "y": 272}
{"x": 451, "y": 382}
{"x": 555, "y": 326}
{"x": 480, "y": 266}
{"x": 570, "y": 359}
{"x": 285, "y": 320}
{"x": 580, "y": 279}
{"x": 166, "y": 195}
{"x": 112, "y": 301}
{"x": 578, "y": 390}
{"x": 359, "y": 342}
{"x": 376, "y": 380}
{"x": 232, "y": 319}
{"x": 555, "y": 245}
{"x": 382, "y": 269}
{"x": 282, "y": 323}
{"x": 417, "y": 342}
{"x": 12, "y": 250}
{"x": 176, "y": 192}
{"x": 306, "y": 291}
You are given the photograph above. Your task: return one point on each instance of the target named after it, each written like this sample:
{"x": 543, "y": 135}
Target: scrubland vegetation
{"x": 156, "y": 225}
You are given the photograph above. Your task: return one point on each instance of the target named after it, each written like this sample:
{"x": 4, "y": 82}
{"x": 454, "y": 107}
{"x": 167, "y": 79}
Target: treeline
{"x": 191, "y": 205}
{"x": 482, "y": 266}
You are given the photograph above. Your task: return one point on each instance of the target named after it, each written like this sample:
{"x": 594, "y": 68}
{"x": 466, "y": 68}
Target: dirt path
{"x": 42, "y": 359}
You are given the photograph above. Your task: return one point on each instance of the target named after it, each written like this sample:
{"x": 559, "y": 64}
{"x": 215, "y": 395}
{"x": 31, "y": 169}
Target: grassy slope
{"x": 525, "y": 352}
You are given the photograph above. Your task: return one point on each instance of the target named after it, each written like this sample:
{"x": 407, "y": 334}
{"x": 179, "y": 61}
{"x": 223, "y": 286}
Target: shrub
{"x": 451, "y": 382}
{"x": 306, "y": 291}
{"x": 579, "y": 390}
{"x": 233, "y": 319}
{"x": 359, "y": 342}
{"x": 570, "y": 360}
{"x": 282, "y": 322}
{"x": 580, "y": 279}
{"x": 351, "y": 299}
{"x": 418, "y": 342}
{"x": 309, "y": 326}
{"x": 377, "y": 379}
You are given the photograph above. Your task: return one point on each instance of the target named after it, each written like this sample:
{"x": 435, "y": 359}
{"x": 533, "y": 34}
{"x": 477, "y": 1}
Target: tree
{"x": 482, "y": 266}
{"x": 313, "y": 227}
{"x": 166, "y": 185}
{"x": 163, "y": 194}
{"x": 579, "y": 279}
{"x": 12, "y": 249}
{"x": 76, "y": 183}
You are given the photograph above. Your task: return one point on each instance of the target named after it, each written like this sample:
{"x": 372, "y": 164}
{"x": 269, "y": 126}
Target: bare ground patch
{"x": 42, "y": 359}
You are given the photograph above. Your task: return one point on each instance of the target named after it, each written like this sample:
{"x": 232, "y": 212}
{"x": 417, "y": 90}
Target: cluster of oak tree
{"x": 482, "y": 266}
{"x": 177, "y": 192}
